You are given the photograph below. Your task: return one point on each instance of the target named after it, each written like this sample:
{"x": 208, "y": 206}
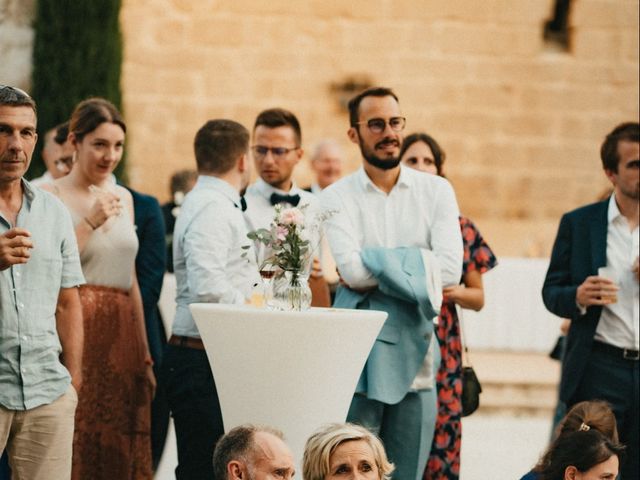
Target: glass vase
{"x": 291, "y": 291}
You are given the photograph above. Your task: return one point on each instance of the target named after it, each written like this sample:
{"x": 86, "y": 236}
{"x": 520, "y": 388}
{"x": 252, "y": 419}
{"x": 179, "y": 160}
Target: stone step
{"x": 516, "y": 383}
{"x": 520, "y": 399}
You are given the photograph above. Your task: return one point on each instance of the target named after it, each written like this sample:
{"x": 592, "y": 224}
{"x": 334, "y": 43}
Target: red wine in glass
{"x": 267, "y": 274}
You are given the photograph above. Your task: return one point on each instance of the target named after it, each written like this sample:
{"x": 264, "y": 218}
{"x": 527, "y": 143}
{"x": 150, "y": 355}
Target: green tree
{"x": 77, "y": 54}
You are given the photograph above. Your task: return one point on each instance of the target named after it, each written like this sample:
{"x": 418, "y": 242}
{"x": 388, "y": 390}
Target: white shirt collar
{"x": 222, "y": 186}
{"x": 404, "y": 179}
{"x": 613, "y": 211}
{"x": 265, "y": 190}
{"x": 315, "y": 189}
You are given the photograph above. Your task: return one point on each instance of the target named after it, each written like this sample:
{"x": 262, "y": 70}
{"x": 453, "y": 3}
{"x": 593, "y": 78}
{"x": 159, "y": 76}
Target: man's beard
{"x": 372, "y": 159}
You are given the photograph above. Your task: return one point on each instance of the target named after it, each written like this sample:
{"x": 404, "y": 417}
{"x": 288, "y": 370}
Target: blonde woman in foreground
{"x": 345, "y": 451}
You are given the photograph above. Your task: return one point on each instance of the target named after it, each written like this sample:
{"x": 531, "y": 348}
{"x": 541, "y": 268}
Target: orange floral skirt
{"x": 113, "y": 420}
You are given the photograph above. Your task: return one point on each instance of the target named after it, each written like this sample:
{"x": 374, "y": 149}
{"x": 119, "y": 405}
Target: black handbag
{"x": 558, "y": 348}
{"x": 471, "y": 388}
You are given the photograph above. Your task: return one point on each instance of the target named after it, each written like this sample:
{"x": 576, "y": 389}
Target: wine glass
{"x": 267, "y": 273}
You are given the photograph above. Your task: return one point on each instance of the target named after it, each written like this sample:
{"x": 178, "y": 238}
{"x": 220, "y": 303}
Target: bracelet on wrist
{"x": 93, "y": 227}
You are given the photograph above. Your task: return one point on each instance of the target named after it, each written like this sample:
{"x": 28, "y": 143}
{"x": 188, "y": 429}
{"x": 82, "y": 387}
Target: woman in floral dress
{"x": 422, "y": 152}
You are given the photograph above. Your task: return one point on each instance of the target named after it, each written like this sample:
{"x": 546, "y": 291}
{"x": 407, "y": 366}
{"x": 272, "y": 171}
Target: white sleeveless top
{"x": 110, "y": 252}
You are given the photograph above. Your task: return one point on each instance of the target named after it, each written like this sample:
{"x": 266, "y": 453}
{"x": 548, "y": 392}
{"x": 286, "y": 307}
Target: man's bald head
{"x": 252, "y": 452}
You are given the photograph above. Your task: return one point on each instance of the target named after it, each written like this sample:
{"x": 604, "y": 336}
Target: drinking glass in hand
{"x": 609, "y": 294}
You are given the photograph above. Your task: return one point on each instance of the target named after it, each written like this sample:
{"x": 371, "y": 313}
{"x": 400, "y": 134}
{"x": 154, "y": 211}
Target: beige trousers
{"x": 39, "y": 441}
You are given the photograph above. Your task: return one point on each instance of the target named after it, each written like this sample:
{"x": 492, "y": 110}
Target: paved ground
{"x": 496, "y": 447}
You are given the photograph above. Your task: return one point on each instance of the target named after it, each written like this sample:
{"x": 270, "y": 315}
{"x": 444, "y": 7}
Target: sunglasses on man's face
{"x": 378, "y": 125}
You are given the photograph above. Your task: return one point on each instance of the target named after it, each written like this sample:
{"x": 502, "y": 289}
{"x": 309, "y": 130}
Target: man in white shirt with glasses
{"x": 277, "y": 149}
{"x": 397, "y": 213}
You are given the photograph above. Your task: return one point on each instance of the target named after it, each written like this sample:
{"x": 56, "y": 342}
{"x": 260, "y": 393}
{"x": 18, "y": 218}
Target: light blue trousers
{"x": 406, "y": 428}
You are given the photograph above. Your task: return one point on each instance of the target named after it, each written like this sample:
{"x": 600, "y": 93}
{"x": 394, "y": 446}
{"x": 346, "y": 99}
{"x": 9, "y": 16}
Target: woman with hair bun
{"x": 585, "y": 448}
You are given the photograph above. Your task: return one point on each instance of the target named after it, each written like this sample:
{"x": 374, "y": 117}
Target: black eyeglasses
{"x": 278, "y": 152}
{"x": 377, "y": 125}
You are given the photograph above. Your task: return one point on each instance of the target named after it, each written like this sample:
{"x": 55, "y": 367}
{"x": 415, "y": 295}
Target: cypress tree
{"x": 77, "y": 54}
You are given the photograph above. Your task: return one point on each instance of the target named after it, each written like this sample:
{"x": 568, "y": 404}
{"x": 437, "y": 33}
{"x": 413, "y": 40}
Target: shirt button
{"x": 17, "y": 274}
{"x": 21, "y": 305}
{"x": 24, "y": 337}
{"x": 24, "y": 370}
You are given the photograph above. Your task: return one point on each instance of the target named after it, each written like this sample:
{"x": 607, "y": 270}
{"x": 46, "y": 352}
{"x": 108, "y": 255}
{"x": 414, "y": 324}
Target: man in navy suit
{"x": 601, "y": 358}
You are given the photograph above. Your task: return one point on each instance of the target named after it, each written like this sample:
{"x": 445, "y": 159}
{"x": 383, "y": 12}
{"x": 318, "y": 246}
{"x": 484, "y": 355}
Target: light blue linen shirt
{"x": 208, "y": 259}
{"x": 31, "y": 373}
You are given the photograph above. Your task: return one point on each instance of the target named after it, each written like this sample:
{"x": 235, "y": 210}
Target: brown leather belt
{"x": 187, "y": 342}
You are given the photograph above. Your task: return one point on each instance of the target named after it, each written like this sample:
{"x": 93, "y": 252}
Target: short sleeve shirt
{"x": 31, "y": 373}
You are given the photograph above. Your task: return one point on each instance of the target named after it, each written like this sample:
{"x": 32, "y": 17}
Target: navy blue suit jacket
{"x": 579, "y": 250}
{"x": 150, "y": 266}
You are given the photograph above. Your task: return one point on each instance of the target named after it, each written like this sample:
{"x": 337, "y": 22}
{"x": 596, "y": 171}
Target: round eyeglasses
{"x": 378, "y": 125}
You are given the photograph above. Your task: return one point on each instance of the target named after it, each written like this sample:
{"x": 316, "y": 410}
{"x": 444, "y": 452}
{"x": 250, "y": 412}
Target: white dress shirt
{"x": 208, "y": 257}
{"x": 618, "y": 323}
{"x": 420, "y": 211}
{"x": 327, "y": 262}
{"x": 260, "y": 213}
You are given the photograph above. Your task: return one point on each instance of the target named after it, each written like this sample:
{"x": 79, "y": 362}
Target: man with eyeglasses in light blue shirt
{"x": 41, "y": 331}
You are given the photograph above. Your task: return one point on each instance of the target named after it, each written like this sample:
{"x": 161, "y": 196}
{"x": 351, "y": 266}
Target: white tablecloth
{"x": 295, "y": 371}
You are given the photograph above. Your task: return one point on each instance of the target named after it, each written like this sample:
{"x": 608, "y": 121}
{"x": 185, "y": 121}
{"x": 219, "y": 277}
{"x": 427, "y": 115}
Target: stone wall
{"x": 521, "y": 122}
{"x": 16, "y": 42}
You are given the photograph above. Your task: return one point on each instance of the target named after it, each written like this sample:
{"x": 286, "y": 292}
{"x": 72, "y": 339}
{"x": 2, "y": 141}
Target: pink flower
{"x": 281, "y": 233}
{"x": 291, "y": 216}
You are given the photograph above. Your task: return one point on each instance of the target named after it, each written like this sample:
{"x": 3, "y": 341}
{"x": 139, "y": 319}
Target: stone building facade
{"x": 16, "y": 41}
{"x": 521, "y": 121}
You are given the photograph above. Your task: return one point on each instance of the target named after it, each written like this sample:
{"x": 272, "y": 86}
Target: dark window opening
{"x": 556, "y": 30}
